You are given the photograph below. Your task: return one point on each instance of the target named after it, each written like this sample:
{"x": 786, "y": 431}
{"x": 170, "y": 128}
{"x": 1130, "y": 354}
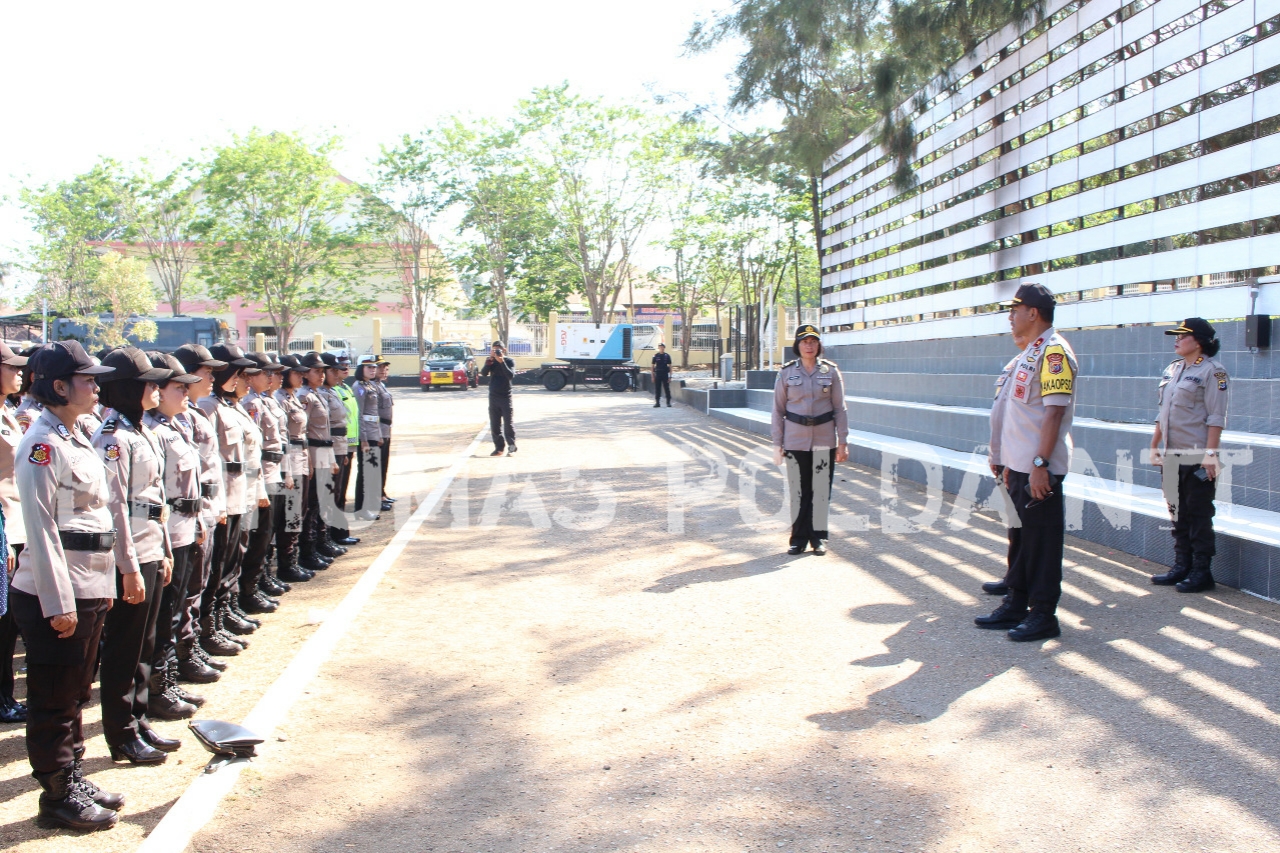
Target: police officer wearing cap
{"x": 11, "y": 711}
{"x": 144, "y": 555}
{"x": 810, "y": 432}
{"x": 1033, "y": 454}
{"x": 65, "y": 582}
{"x": 661, "y": 368}
{"x": 1192, "y": 398}
{"x": 324, "y": 465}
{"x": 386, "y": 412}
{"x": 166, "y": 700}
{"x": 288, "y": 521}
{"x": 333, "y": 500}
{"x": 369, "y": 476}
{"x": 1001, "y": 587}
{"x": 266, "y": 415}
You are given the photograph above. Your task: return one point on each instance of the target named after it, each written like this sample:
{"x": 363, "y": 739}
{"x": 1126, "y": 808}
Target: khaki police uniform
{"x": 67, "y": 566}
{"x": 386, "y": 413}
{"x": 1044, "y": 375}
{"x": 264, "y": 412}
{"x": 203, "y": 435}
{"x": 228, "y": 538}
{"x": 810, "y": 419}
{"x": 28, "y": 409}
{"x": 369, "y": 475}
{"x": 331, "y": 506}
{"x": 16, "y": 534}
{"x": 1191, "y": 398}
{"x": 321, "y": 443}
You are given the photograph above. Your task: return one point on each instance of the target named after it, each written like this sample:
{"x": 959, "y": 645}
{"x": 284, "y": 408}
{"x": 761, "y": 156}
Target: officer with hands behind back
{"x": 661, "y": 368}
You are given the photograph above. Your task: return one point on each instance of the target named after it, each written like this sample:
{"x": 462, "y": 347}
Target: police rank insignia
{"x": 63, "y": 431}
{"x": 40, "y": 454}
{"x": 1221, "y": 376}
{"x": 112, "y": 452}
{"x": 1199, "y": 359}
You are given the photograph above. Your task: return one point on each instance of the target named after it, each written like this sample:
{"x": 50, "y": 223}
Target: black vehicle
{"x": 172, "y": 332}
{"x": 449, "y": 365}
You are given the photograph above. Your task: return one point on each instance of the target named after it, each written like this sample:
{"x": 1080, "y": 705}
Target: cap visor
{"x": 97, "y": 370}
{"x": 273, "y": 367}
{"x": 156, "y": 374}
{"x": 243, "y": 362}
{"x": 1009, "y": 303}
{"x": 1181, "y": 330}
{"x": 185, "y": 379}
{"x": 214, "y": 363}
{"x": 15, "y": 361}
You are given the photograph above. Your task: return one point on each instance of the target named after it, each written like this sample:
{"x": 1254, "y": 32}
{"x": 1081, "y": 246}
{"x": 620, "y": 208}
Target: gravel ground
{"x": 553, "y": 664}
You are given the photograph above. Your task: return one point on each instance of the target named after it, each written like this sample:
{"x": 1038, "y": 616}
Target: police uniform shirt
{"x": 809, "y": 393}
{"x": 64, "y": 484}
{"x": 322, "y": 456}
{"x": 135, "y": 481}
{"x": 662, "y": 364}
{"x": 10, "y": 438}
{"x": 229, "y": 428}
{"x": 255, "y": 484}
{"x": 181, "y": 475}
{"x": 1043, "y": 375}
{"x": 199, "y": 429}
{"x": 368, "y": 402}
{"x": 337, "y": 419}
{"x": 262, "y": 411}
{"x": 1003, "y": 389}
{"x": 27, "y": 411}
{"x": 295, "y": 419}
{"x": 1192, "y": 397}
{"x": 385, "y": 404}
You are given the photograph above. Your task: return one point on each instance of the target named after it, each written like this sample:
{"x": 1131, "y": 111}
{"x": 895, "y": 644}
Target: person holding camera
{"x": 501, "y": 370}
{"x": 1193, "y": 412}
{"x": 1032, "y": 452}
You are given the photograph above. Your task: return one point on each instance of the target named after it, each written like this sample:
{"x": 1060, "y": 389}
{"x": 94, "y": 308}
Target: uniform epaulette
{"x": 109, "y": 425}
{"x": 790, "y": 363}
{"x": 827, "y": 361}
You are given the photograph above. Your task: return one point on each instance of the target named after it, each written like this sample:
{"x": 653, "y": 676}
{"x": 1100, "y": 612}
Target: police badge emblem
{"x": 1055, "y": 362}
{"x": 40, "y": 454}
{"x": 112, "y": 452}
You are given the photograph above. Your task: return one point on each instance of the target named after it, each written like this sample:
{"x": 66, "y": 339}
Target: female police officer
{"x": 65, "y": 582}
{"x": 810, "y": 429}
{"x": 1193, "y": 413}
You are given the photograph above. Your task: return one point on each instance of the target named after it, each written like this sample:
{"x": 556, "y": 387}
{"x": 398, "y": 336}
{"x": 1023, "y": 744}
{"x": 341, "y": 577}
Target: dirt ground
{"x": 588, "y": 647}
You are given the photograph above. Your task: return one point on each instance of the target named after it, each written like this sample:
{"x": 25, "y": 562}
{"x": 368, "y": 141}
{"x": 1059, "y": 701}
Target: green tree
{"x": 161, "y": 213}
{"x": 279, "y": 226}
{"x": 121, "y": 286}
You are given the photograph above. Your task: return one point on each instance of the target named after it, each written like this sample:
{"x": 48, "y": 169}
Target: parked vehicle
{"x": 172, "y": 332}
{"x": 592, "y": 354}
{"x": 449, "y": 365}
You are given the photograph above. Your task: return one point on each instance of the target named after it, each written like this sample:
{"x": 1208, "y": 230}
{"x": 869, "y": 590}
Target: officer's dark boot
{"x": 233, "y": 623}
{"x": 1040, "y": 624}
{"x": 325, "y": 546}
{"x": 175, "y": 688}
{"x": 1178, "y": 572}
{"x": 65, "y": 805}
{"x": 162, "y": 702}
{"x": 289, "y": 570}
{"x": 1201, "y": 578}
{"x": 211, "y": 639}
{"x": 204, "y": 658}
{"x": 234, "y": 607}
{"x": 106, "y": 799}
{"x": 1012, "y": 610}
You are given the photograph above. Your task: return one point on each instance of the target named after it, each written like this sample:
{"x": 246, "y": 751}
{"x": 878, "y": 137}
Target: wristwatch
{"x": 1040, "y": 462}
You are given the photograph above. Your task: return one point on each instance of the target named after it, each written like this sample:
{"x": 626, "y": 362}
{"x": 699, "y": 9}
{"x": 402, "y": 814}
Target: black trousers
{"x": 59, "y": 678}
{"x": 224, "y": 564}
{"x": 258, "y": 545}
{"x": 1035, "y": 563}
{"x": 173, "y": 601}
{"x": 1193, "y": 518}
{"x": 201, "y": 567}
{"x": 661, "y": 381}
{"x": 386, "y": 462}
{"x": 128, "y": 645}
{"x": 802, "y": 467}
{"x": 504, "y": 432}
{"x": 369, "y": 479}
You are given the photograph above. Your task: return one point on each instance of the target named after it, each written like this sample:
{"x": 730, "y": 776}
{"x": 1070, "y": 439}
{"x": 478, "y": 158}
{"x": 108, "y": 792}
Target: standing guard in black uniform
{"x": 661, "y": 368}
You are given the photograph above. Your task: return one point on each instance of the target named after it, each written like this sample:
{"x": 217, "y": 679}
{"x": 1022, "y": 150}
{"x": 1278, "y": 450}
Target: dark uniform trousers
{"x": 288, "y": 520}
{"x": 259, "y": 544}
{"x": 1193, "y": 520}
{"x": 8, "y": 643}
{"x": 224, "y": 564}
{"x": 661, "y": 382}
{"x": 315, "y": 515}
{"x": 59, "y": 678}
{"x": 173, "y": 601}
{"x": 341, "y": 485}
{"x": 504, "y": 432}
{"x": 197, "y": 581}
{"x": 1035, "y": 548}
{"x": 386, "y": 462}
{"x": 800, "y": 473}
{"x": 128, "y": 645}
{"x": 369, "y": 479}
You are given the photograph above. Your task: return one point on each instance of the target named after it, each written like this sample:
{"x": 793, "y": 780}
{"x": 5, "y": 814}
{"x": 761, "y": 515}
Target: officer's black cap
{"x": 61, "y": 359}
{"x": 292, "y": 363}
{"x": 132, "y": 363}
{"x": 1194, "y": 326}
{"x": 1032, "y": 295}
{"x": 168, "y": 362}
{"x": 264, "y": 362}
{"x": 805, "y": 330}
{"x": 194, "y": 355}
{"x": 335, "y": 362}
{"x": 231, "y": 354}
{"x": 312, "y": 360}
{"x": 9, "y": 357}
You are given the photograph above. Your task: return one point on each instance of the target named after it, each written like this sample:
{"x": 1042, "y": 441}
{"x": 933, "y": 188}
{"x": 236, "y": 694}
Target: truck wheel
{"x": 426, "y": 388}
{"x": 553, "y": 380}
{"x": 619, "y": 381}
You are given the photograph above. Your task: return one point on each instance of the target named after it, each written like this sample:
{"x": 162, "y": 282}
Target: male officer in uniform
{"x": 1193, "y": 413}
{"x": 1003, "y": 390}
{"x": 1034, "y": 449}
{"x": 661, "y": 368}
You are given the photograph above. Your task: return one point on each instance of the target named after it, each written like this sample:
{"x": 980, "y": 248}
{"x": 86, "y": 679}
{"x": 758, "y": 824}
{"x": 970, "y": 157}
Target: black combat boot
{"x": 211, "y": 639}
{"x": 106, "y": 799}
{"x": 233, "y": 607}
{"x": 162, "y": 702}
{"x": 1200, "y": 579}
{"x": 204, "y": 658}
{"x": 1178, "y": 572}
{"x": 231, "y": 621}
{"x": 1039, "y": 625}
{"x": 176, "y": 689}
{"x": 1012, "y": 610}
{"x": 294, "y": 573}
{"x": 65, "y": 805}
{"x": 191, "y": 666}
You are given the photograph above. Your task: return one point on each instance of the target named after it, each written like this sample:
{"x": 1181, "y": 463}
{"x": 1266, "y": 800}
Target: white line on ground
{"x": 197, "y": 805}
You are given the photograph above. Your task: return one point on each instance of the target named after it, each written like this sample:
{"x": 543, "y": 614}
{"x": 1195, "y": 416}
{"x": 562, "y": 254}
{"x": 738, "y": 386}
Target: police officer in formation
{"x": 152, "y": 510}
{"x": 811, "y": 433}
{"x": 1192, "y": 399}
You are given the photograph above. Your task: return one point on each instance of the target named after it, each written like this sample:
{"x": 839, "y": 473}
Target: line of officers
{"x": 157, "y": 504}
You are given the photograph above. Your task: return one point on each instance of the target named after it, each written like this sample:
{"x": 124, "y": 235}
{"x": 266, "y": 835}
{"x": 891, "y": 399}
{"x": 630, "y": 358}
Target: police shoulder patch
{"x": 112, "y": 452}
{"x": 41, "y": 454}
{"x": 1056, "y": 373}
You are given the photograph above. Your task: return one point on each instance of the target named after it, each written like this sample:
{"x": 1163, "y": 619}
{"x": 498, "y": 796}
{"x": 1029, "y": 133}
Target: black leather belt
{"x": 208, "y": 490}
{"x": 337, "y": 430}
{"x": 386, "y": 421}
{"x": 185, "y": 506}
{"x": 298, "y": 442}
{"x": 272, "y": 455}
{"x": 155, "y": 512}
{"x": 319, "y": 442}
{"x": 233, "y": 467}
{"x": 816, "y": 420}
{"x": 73, "y": 540}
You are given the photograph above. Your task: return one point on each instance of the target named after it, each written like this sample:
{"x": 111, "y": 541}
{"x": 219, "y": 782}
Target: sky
{"x": 165, "y": 80}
